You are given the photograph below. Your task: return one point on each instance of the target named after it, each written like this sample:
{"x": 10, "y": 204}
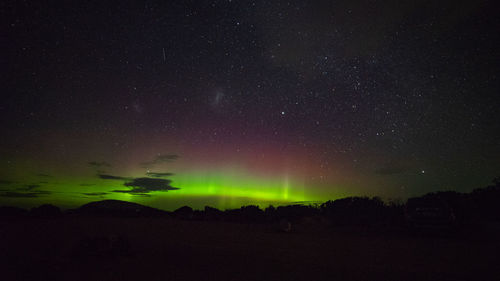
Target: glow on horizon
{"x": 223, "y": 188}
{"x": 226, "y": 189}
{"x": 236, "y": 184}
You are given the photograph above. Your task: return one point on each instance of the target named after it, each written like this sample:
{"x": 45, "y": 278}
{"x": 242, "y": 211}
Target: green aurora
{"x": 228, "y": 188}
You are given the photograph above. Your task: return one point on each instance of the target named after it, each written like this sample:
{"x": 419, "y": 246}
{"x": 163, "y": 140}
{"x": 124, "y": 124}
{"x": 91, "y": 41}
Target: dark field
{"x": 168, "y": 249}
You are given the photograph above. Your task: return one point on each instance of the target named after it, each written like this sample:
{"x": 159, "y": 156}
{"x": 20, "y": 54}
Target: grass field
{"x": 168, "y": 249}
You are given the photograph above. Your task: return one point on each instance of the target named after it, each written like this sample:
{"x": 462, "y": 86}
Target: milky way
{"x": 226, "y": 103}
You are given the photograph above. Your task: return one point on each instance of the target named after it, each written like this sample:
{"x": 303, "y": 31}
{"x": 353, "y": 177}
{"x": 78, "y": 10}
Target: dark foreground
{"x": 169, "y": 249}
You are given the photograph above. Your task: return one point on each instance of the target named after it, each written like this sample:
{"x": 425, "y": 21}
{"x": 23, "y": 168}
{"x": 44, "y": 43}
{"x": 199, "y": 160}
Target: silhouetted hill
{"x": 14, "y": 212}
{"x": 46, "y": 211}
{"x": 184, "y": 212}
{"x": 117, "y": 208}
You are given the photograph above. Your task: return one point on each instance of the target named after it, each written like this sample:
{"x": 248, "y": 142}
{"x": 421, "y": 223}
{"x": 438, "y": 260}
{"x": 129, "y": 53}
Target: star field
{"x": 392, "y": 98}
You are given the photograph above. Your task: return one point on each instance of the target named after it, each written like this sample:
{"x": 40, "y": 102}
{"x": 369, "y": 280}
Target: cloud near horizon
{"x": 98, "y": 164}
{"x": 31, "y": 186}
{"x": 32, "y": 194}
{"x": 6, "y": 182}
{"x": 95, "y": 193}
{"x": 143, "y": 186}
{"x": 111, "y": 177}
{"x": 160, "y": 158}
{"x": 159, "y": 174}
{"x": 27, "y": 191}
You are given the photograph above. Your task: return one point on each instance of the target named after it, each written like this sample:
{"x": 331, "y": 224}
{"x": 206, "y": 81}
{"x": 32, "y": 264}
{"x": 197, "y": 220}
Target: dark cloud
{"x": 44, "y": 175}
{"x": 142, "y": 186}
{"x": 98, "y": 164}
{"x": 161, "y": 158}
{"x": 32, "y": 186}
{"x": 110, "y": 177}
{"x": 16, "y": 194}
{"x": 28, "y": 187}
{"x": 158, "y": 175}
{"x": 96, "y": 193}
{"x": 131, "y": 192}
{"x": 43, "y": 182}
{"x": 6, "y": 182}
{"x": 166, "y": 158}
{"x": 149, "y": 184}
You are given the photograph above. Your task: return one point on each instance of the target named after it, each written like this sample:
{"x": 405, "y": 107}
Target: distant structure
{"x": 285, "y": 225}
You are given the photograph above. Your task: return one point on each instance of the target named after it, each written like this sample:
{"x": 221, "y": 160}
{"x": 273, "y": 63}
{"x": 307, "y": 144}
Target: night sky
{"x": 228, "y": 103}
